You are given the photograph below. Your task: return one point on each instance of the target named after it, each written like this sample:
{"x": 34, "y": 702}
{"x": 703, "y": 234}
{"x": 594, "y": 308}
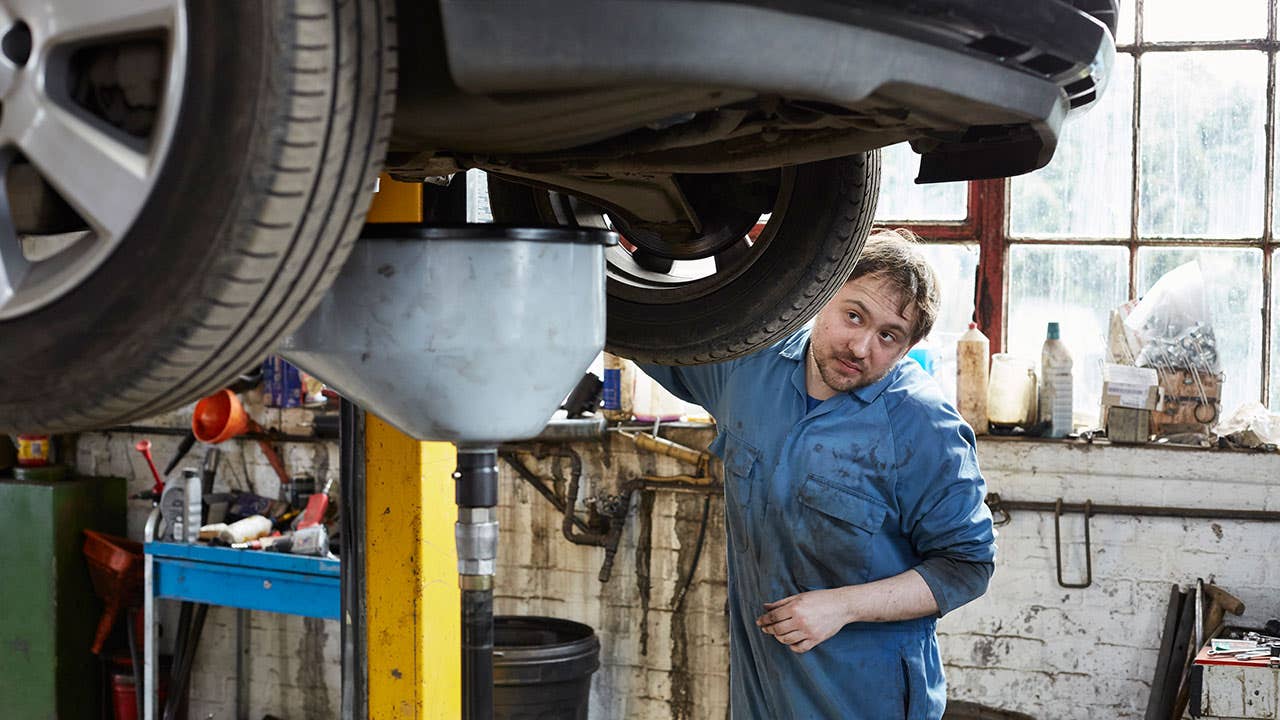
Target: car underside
{"x": 219, "y": 159}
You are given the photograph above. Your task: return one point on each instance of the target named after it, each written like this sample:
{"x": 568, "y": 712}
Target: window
{"x": 1175, "y": 163}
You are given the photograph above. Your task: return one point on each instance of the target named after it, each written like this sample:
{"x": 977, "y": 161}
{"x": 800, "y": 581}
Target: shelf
{"x": 249, "y": 579}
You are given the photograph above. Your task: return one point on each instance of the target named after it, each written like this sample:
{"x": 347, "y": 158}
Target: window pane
{"x": 1275, "y": 343}
{"x": 957, "y": 268}
{"x": 1233, "y": 295}
{"x": 1084, "y": 192}
{"x": 1077, "y": 287}
{"x": 1128, "y": 20}
{"x": 1202, "y": 144}
{"x": 1194, "y": 20}
{"x": 901, "y": 199}
{"x": 478, "y": 210}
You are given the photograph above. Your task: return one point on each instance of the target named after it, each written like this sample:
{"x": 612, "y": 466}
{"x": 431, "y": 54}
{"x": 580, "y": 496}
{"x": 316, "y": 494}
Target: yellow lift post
{"x": 412, "y": 632}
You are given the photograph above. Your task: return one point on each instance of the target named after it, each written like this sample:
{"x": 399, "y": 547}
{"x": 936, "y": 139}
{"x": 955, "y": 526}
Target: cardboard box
{"x": 1128, "y": 426}
{"x": 1189, "y": 402}
{"x": 1130, "y": 387}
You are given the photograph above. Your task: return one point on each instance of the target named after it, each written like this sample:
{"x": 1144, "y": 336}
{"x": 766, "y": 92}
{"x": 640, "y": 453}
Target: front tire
{"x": 279, "y": 127}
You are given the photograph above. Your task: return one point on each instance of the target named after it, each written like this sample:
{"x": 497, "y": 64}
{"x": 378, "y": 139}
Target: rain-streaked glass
{"x": 478, "y": 210}
{"x": 1085, "y": 191}
{"x": 902, "y": 200}
{"x": 1233, "y": 300}
{"x": 1195, "y": 20}
{"x": 1275, "y": 348}
{"x": 1077, "y": 287}
{"x": 1203, "y": 146}
{"x": 957, "y": 268}
{"x": 1125, "y": 29}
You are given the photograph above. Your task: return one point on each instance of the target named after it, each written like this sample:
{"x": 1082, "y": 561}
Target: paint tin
{"x": 33, "y": 450}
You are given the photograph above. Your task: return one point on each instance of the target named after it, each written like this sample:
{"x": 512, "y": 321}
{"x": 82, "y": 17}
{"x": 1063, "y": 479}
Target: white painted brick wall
{"x": 1028, "y": 645}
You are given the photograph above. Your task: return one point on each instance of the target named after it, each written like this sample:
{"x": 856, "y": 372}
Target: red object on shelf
{"x": 115, "y": 568}
{"x": 1204, "y": 658}
{"x": 144, "y": 447}
{"x": 124, "y": 696}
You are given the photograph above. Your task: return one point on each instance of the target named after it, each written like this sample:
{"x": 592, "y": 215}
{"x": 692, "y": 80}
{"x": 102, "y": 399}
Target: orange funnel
{"x": 219, "y": 417}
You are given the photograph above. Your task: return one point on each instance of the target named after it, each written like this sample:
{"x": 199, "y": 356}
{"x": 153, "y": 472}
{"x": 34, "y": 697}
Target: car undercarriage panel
{"x": 668, "y": 86}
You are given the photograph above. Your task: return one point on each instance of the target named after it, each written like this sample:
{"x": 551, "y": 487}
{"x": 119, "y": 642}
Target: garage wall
{"x": 293, "y": 663}
{"x": 1028, "y": 645}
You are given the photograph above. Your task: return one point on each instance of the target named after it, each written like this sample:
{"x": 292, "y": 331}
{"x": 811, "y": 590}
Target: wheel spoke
{"x": 101, "y": 177}
{"x": 13, "y": 263}
{"x": 59, "y": 22}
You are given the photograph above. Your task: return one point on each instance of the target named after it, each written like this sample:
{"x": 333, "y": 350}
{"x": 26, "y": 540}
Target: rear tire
{"x": 280, "y": 135}
{"x": 814, "y": 245}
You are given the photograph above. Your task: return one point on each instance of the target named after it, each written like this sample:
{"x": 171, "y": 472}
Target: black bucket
{"x": 542, "y": 668}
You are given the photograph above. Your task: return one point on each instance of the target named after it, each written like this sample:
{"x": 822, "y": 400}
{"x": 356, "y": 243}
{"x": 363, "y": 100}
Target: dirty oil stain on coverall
{"x": 867, "y": 485}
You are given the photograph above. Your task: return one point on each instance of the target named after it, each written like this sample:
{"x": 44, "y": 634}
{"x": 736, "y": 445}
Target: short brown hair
{"x": 895, "y": 256}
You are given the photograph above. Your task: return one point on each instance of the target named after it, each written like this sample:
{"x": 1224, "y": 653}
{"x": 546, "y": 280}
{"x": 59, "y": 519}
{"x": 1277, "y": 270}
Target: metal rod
{"x": 149, "y": 661}
{"x": 243, "y": 668}
{"x": 476, "y": 534}
{"x": 477, "y": 654}
{"x": 351, "y": 487}
{"x": 269, "y": 435}
{"x": 1057, "y": 547}
{"x": 997, "y": 503}
{"x": 536, "y": 483}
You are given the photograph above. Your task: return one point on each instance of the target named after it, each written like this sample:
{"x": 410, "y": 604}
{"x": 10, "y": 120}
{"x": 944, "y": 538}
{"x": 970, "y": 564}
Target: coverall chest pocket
{"x": 741, "y": 474}
{"x": 837, "y": 533}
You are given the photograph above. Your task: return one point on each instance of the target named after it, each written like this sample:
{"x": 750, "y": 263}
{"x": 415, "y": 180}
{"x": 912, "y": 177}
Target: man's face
{"x": 857, "y": 337}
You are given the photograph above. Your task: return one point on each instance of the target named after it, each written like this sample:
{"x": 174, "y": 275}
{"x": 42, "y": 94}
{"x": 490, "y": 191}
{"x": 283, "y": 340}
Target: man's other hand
{"x": 802, "y": 621}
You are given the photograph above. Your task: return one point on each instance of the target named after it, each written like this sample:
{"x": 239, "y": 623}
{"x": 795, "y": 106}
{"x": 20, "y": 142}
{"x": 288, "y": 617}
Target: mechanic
{"x": 853, "y": 501}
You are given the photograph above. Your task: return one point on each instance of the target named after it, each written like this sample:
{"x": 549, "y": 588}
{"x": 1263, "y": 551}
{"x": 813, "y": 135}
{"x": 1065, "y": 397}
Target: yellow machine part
{"x": 413, "y": 633}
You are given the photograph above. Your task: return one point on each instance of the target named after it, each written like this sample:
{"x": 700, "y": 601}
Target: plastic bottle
{"x": 619, "y": 382}
{"x": 653, "y": 402}
{"x": 1011, "y": 392}
{"x": 972, "y": 352}
{"x": 1055, "y": 385}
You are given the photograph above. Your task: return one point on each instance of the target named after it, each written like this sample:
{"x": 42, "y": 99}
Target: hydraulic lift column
{"x": 471, "y": 334}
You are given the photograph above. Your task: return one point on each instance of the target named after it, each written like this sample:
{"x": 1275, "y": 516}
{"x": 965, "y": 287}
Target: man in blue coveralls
{"x": 853, "y": 502}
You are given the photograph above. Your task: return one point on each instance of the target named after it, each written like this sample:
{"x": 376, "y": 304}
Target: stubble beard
{"x": 838, "y": 381}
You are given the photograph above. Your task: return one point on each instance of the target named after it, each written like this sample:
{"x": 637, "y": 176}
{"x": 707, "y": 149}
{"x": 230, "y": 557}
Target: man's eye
{"x": 853, "y": 317}
{"x": 887, "y": 337}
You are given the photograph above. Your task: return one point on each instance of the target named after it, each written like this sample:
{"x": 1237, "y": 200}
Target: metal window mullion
{"x": 1264, "y": 45}
{"x": 1242, "y": 243}
{"x": 1135, "y": 162}
{"x": 1268, "y": 193}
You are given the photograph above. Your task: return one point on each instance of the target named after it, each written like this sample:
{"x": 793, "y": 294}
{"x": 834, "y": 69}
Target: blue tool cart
{"x": 248, "y": 579}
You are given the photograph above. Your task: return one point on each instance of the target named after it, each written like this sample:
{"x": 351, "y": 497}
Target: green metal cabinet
{"x": 48, "y": 612}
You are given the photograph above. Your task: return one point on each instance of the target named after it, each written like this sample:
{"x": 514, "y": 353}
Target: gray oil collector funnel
{"x": 472, "y": 334}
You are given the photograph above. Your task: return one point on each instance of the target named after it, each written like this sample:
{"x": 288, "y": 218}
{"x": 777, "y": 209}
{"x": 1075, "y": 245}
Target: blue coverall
{"x": 868, "y": 484}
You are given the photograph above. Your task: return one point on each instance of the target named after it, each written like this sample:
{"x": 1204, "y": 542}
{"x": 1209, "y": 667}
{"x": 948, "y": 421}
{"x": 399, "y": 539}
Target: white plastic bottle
{"x": 1055, "y": 385}
{"x": 972, "y": 358}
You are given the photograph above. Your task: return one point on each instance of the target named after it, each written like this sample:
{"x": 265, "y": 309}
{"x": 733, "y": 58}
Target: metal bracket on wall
{"x": 1000, "y": 509}
{"x": 1057, "y": 545}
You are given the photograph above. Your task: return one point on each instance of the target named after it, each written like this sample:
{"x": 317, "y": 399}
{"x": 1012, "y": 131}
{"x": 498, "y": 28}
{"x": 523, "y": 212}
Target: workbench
{"x": 247, "y": 579}
{"x": 1245, "y": 691}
